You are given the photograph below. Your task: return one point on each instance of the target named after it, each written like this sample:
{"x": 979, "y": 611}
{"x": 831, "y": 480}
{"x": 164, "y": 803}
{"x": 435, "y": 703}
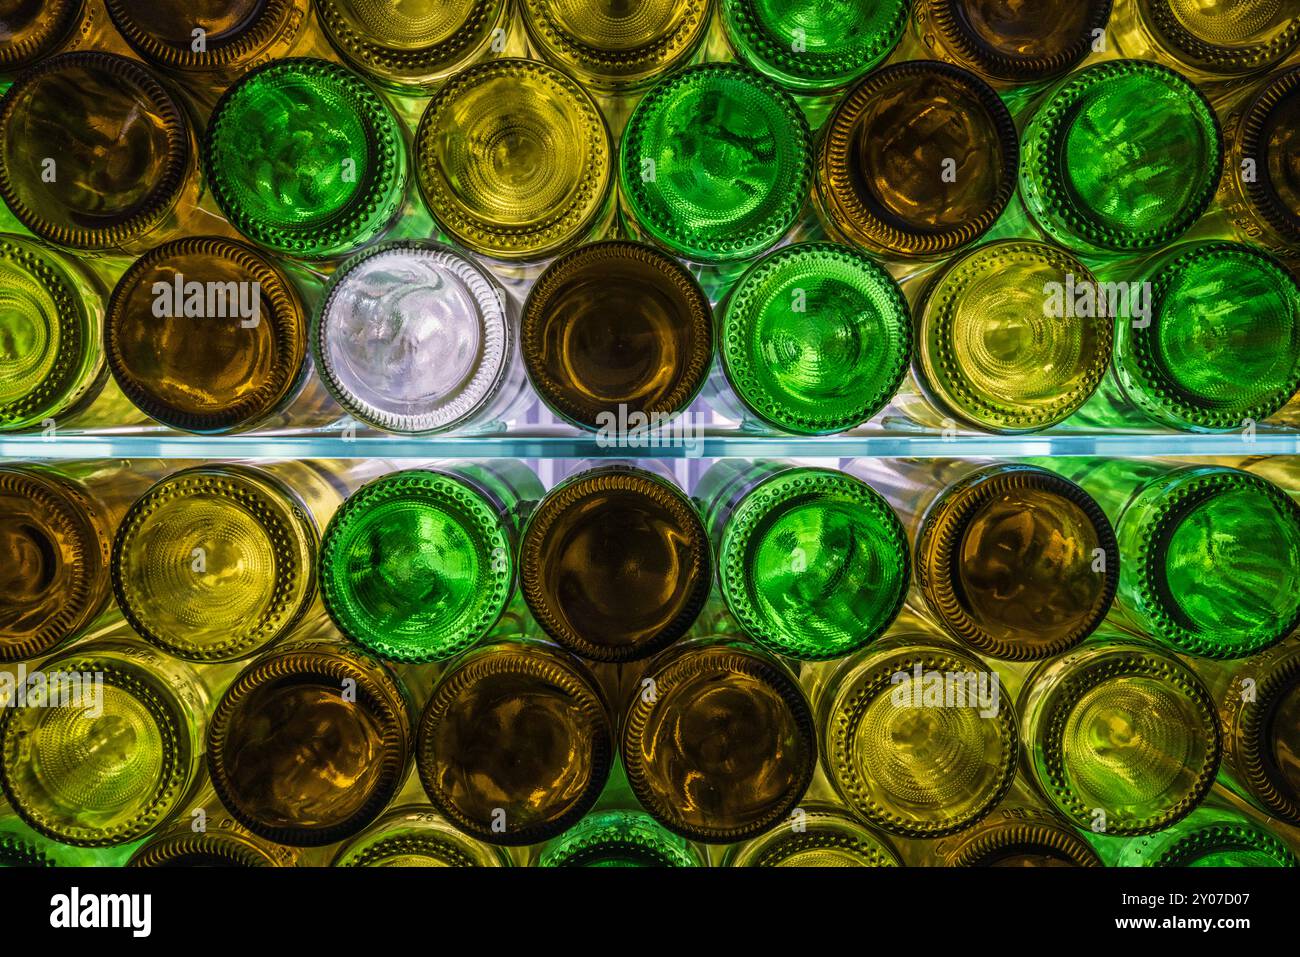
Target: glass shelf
{"x": 550, "y": 443}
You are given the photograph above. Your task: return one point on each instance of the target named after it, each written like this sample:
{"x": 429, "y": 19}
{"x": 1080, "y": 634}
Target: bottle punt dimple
{"x": 615, "y": 563}
{"x": 1262, "y": 191}
{"x": 725, "y": 748}
{"x": 215, "y": 361}
{"x": 71, "y": 184}
{"x": 917, "y": 160}
{"x": 1119, "y": 736}
{"x": 619, "y": 838}
{"x": 908, "y": 740}
{"x": 1220, "y": 349}
{"x": 812, "y": 562}
{"x": 51, "y": 320}
{"x": 715, "y": 163}
{"x": 418, "y": 565}
{"x": 515, "y": 743}
{"x": 990, "y": 351}
{"x": 617, "y": 329}
{"x": 360, "y": 743}
{"x": 817, "y": 46}
{"x": 413, "y": 45}
{"x": 304, "y": 158}
{"x": 105, "y": 773}
{"x": 514, "y": 160}
{"x": 215, "y": 40}
{"x": 1102, "y": 174}
{"x": 1217, "y": 39}
{"x": 215, "y": 562}
{"x": 814, "y": 339}
{"x": 1010, "y": 44}
{"x": 416, "y": 337}
{"x": 617, "y": 47}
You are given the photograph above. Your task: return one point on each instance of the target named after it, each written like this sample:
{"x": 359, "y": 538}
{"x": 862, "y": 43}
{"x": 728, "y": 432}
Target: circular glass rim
{"x": 78, "y": 322}
{"x": 617, "y": 70}
{"x": 948, "y": 18}
{"x": 252, "y": 35}
{"x": 1249, "y": 143}
{"x": 796, "y": 70}
{"x": 943, "y": 531}
{"x": 854, "y": 694}
{"x": 60, "y": 17}
{"x": 535, "y": 660}
{"x": 692, "y": 374}
{"x": 175, "y": 164}
{"x": 277, "y": 297}
{"x": 80, "y": 536}
{"x": 686, "y": 663}
{"x": 289, "y": 533}
{"x": 332, "y": 666}
{"x": 550, "y": 233}
{"x": 753, "y": 515}
{"x": 453, "y": 498}
{"x": 1199, "y": 485}
{"x": 495, "y": 349}
{"x": 534, "y": 566}
{"x": 1211, "y": 57}
{"x": 836, "y": 179}
{"x": 946, "y": 383}
{"x": 1118, "y": 661}
{"x": 737, "y": 323}
{"x": 666, "y": 229}
{"x": 152, "y": 694}
{"x": 405, "y": 68}
{"x": 383, "y": 186}
{"x": 1042, "y": 166}
{"x": 1145, "y": 374}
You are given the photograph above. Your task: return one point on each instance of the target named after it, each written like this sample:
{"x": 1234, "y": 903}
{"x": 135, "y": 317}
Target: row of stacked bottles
{"x": 762, "y": 220}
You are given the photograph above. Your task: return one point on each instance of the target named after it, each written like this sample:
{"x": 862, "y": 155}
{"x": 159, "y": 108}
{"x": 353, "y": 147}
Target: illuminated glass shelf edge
{"x": 169, "y": 445}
